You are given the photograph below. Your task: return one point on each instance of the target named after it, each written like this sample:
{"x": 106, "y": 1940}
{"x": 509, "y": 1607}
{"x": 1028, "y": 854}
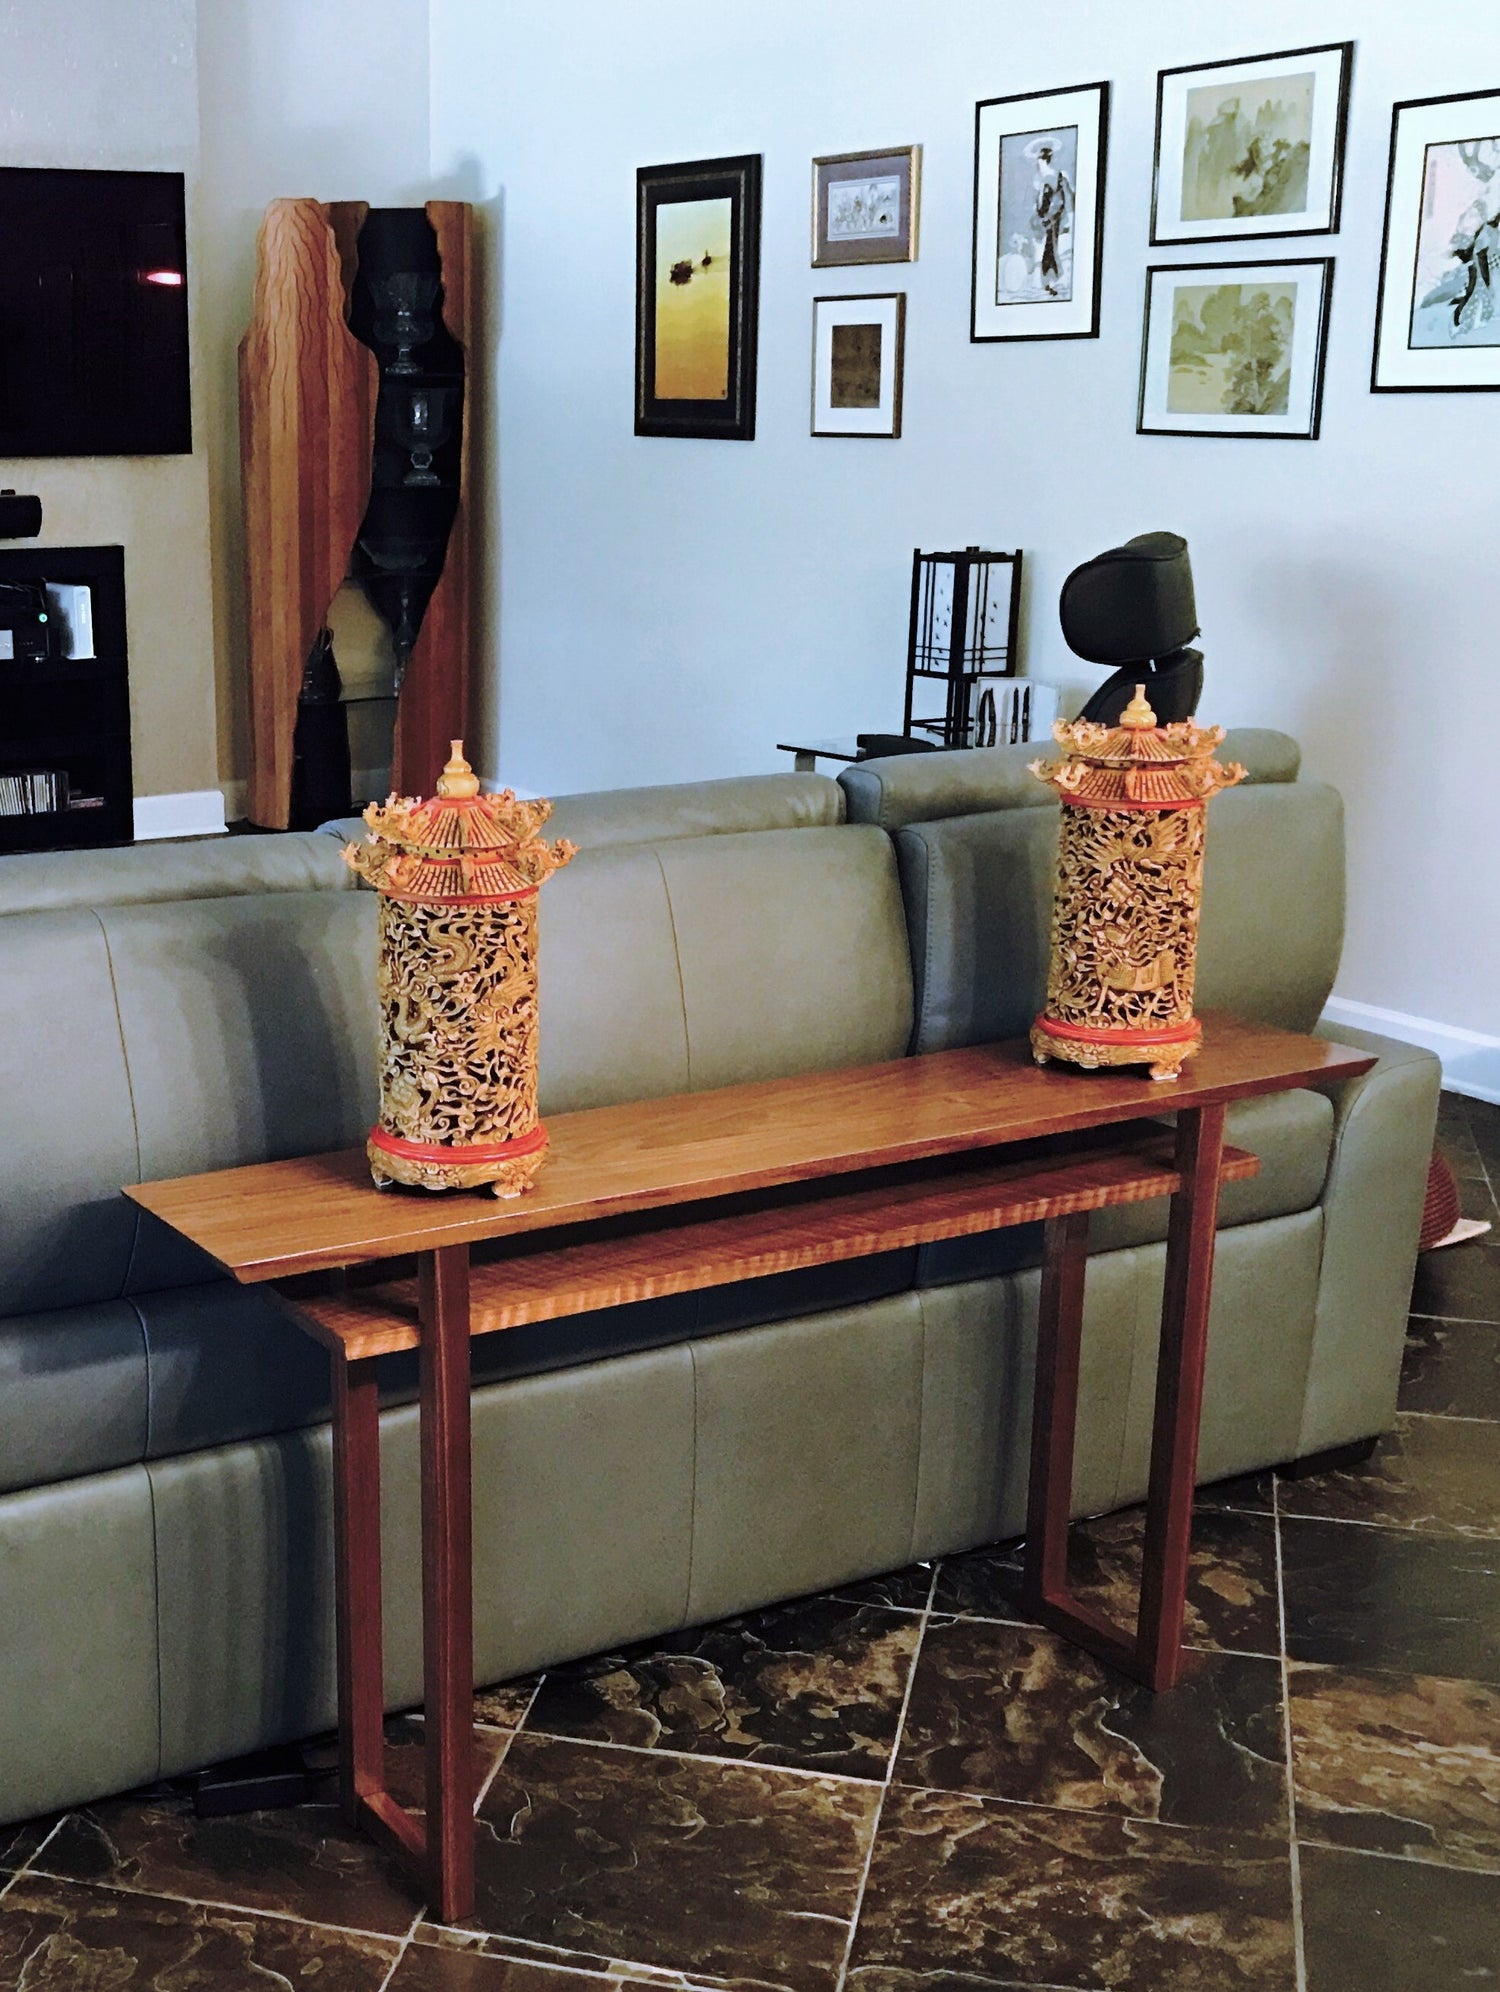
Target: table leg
{"x": 804, "y": 763}
{"x": 1179, "y": 1394}
{"x": 1055, "y": 1413}
{"x": 447, "y": 1580}
{"x": 356, "y": 1533}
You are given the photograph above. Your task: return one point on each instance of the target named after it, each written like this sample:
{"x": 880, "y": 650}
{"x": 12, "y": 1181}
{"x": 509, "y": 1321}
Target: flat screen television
{"x": 93, "y": 314}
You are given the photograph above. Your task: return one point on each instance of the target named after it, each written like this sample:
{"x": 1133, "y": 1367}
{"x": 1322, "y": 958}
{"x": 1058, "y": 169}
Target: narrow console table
{"x": 673, "y": 1195}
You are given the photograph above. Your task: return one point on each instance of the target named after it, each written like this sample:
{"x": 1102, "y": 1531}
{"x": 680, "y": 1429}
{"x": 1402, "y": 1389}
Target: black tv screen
{"x": 93, "y": 314}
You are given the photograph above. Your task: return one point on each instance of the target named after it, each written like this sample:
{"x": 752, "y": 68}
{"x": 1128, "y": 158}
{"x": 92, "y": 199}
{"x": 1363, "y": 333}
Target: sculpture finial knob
{"x": 457, "y": 778}
{"x": 1138, "y": 715}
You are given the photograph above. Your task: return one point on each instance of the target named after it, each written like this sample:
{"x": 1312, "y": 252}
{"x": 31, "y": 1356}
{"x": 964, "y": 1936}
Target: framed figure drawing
{"x": 1038, "y": 214}
{"x": 864, "y": 207}
{"x": 1254, "y": 147}
{"x": 858, "y": 355}
{"x": 697, "y": 282}
{"x": 1437, "y": 322}
{"x": 1234, "y": 349}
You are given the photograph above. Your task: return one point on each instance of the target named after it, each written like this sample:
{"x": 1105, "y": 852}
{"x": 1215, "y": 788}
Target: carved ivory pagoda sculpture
{"x": 1129, "y": 886}
{"x": 458, "y": 878}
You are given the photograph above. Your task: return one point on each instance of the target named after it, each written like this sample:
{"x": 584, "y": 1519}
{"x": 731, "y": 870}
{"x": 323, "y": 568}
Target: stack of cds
{"x": 34, "y": 794}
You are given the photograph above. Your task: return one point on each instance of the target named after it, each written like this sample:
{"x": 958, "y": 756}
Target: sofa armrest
{"x": 1372, "y": 1212}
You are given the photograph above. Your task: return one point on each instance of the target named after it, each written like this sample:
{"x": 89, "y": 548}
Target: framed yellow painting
{"x": 697, "y": 290}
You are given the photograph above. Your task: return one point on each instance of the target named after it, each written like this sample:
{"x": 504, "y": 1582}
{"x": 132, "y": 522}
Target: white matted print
{"x": 1039, "y": 214}
{"x": 1235, "y": 349}
{"x": 1251, "y": 148}
{"x": 1438, "y": 318}
{"x": 857, "y": 365}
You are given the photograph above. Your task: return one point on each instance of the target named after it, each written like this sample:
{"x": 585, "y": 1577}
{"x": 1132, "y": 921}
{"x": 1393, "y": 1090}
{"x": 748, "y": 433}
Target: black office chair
{"x": 1133, "y": 607}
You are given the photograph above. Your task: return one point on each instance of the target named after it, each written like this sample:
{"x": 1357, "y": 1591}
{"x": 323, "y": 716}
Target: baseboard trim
{"x": 365, "y": 782}
{"x": 193, "y": 813}
{"x": 1471, "y": 1059}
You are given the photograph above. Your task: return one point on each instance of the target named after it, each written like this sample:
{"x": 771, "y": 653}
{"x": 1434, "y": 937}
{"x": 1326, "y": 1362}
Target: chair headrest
{"x": 1131, "y": 604}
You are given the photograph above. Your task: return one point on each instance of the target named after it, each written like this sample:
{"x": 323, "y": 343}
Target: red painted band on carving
{"x": 1121, "y": 802}
{"x": 1104, "y": 1034}
{"x": 436, "y": 1151}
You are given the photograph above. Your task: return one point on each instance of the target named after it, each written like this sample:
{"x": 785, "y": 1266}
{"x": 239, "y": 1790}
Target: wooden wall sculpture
{"x": 308, "y": 390}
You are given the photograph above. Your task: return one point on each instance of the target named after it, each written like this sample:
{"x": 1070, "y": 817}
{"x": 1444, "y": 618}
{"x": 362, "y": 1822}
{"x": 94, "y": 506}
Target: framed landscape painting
{"x": 864, "y": 207}
{"x": 1235, "y": 349}
{"x": 1437, "y": 322}
{"x": 697, "y": 281}
{"x": 858, "y": 355}
{"x": 1254, "y": 147}
{"x": 1039, "y": 214}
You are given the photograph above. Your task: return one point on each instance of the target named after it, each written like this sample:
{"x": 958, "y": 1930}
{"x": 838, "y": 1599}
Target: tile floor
{"x": 903, "y": 1787}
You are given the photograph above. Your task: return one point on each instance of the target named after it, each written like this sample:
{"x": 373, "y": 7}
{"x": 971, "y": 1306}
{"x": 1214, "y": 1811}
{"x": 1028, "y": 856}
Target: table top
{"x": 273, "y": 1219}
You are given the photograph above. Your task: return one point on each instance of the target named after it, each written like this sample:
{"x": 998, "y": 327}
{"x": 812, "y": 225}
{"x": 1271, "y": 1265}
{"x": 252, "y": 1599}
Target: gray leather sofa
{"x": 165, "y": 1570}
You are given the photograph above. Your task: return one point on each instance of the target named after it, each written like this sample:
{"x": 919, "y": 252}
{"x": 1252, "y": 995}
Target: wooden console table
{"x": 673, "y": 1195}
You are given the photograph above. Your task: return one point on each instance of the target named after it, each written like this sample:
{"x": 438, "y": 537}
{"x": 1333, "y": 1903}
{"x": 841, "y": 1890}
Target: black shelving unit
{"x": 71, "y": 714}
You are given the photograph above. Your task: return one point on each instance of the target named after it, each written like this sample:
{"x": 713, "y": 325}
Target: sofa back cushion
{"x": 923, "y": 788}
{"x": 604, "y": 818}
{"x": 208, "y": 868}
{"x": 978, "y": 892}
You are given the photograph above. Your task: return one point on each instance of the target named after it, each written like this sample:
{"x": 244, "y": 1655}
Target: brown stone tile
{"x": 1251, "y": 1493}
{"x": 1392, "y": 1599}
{"x": 302, "y": 1861}
{"x": 19, "y": 1842}
{"x": 1398, "y": 1764}
{"x": 504, "y": 1706}
{"x": 1011, "y": 1712}
{"x": 903, "y": 1590}
{"x": 1438, "y": 1475}
{"x": 445, "y": 1960}
{"x": 59, "y": 1936}
{"x": 730, "y": 1870}
{"x": 816, "y": 1684}
{"x": 405, "y": 1761}
{"x": 1451, "y": 1369}
{"x": 1461, "y": 1283}
{"x": 1373, "y": 1925}
{"x": 974, "y": 1892}
{"x": 1231, "y": 1580}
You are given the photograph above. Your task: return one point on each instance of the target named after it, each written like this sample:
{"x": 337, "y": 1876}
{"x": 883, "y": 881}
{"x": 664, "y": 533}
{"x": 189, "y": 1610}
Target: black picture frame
{"x": 1247, "y": 432}
{"x": 1280, "y": 225}
{"x": 1454, "y": 369}
{"x": 732, "y": 416}
{"x": 997, "y": 118}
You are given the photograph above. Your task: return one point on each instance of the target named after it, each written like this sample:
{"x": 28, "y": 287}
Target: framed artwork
{"x": 858, "y": 354}
{"x": 697, "y": 284}
{"x": 1234, "y": 349}
{"x": 1437, "y": 321}
{"x": 1038, "y": 214}
{"x": 1254, "y": 147}
{"x": 864, "y": 207}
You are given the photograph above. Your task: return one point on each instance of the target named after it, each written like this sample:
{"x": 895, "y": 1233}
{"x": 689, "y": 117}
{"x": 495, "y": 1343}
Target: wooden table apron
{"x": 925, "y": 1153}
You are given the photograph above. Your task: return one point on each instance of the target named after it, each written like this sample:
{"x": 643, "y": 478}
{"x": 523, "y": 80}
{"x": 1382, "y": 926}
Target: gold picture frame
{"x": 864, "y": 207}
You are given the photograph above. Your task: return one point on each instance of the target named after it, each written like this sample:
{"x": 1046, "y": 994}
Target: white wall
{"x": 96, "y": 83}
{"x": 671, "y": 609}
{"x": 315, "y": 97}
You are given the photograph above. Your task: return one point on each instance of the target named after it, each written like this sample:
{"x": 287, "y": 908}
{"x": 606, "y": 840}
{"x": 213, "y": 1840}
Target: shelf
{"x": 20, "y": 673}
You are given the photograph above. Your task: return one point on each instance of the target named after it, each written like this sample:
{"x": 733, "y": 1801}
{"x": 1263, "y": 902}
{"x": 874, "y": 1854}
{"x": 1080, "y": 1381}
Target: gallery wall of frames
{"x": 1249, "y": 166}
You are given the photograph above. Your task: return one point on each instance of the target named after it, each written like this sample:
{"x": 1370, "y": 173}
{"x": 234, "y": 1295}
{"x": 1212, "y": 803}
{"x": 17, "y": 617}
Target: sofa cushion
{"x": 978, "y": 892}
{"x": 206, "y": 868}
{"x": 73, "y": 1393}
{"x": 791, "y": 946}
{"x": 606, "y": 817}
{"x": 924, "y": 788}
{"x": 70, "y": 1132}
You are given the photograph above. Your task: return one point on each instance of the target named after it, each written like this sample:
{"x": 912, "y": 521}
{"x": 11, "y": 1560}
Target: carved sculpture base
{"x": 1165, "y": 1055}
{"x": 419, "y": 1167}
